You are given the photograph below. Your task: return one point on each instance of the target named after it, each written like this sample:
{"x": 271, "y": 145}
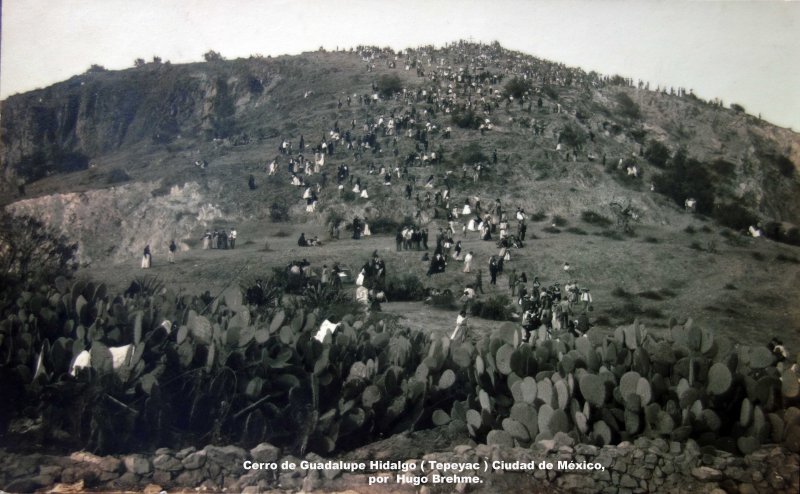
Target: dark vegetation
{"x": 31, "y": 252}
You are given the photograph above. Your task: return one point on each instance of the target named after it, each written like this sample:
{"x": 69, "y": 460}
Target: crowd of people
{"x": 219, "y": 239}
{"x": 393, "y": 144}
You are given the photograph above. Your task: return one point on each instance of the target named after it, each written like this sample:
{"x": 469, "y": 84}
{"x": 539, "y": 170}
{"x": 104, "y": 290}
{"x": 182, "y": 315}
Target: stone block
{"x": 168, "y": 463}
{"x": 265, "y": 453}
{"x": 194, "y": 460}
{"x": 137, "y": 464}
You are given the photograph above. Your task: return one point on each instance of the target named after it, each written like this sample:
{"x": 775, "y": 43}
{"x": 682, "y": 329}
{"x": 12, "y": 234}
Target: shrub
{"x": 443, "y": 300}
{"x": 657, "y": 153}
{"x": 734, "y": 216}
{"x": 466, "y": 119}
{"x": 576, "y": 231}
{"x": 696, "y": 246}
{"x": 494, "y": 308}
{"x": 651, "y": 240}
{"x": 383, "y": 224}
{"x": 572, "y": 136}
{"x": 758, "y": 256}
{"x": 558, "y": 221}
{"x": 684, "y": 178}
{"x": 517, "y": 87}
{"x": 278, "y": 212}
{"x": 690, "y": 230}
{"x": 621, "y": 293}
{"x": 595, "y": 219}
{"x": 724, "y": 168}
{"x": 388, "y": 85}
{"x": 31, "y": 251}
{"x": 737, "y": 108}
{"x": 551, "y": 229}
{"x": 404, "y": 288}
{"x": 787, "y": 258}
{"x": 627, "y": 107}
{"x": 550, "y": 92}
{"x": 538, "y": 216}
{"x": 612, "y": 234}
{"x": 212, "y": 56}
{"x": 785, "y": 166}
{"x": 117, "y": 175}
{"x": 472, "y": 154}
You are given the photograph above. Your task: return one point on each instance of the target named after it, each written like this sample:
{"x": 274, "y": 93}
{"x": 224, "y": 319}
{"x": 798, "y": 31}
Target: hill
{"x": 110, "y": 157}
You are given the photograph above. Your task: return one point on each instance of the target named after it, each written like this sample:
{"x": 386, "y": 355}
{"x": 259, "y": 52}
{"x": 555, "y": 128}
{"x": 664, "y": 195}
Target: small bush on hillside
{"x": 443, "y": 300}
{"x": 517, "y": 87}
{"x": 550, "y": 92}
{"x": 466, "y": 119}
{"x": 785, "y": 166}
{"x": 117, "y": 175}
{"x": 737, "y": 108}
{"x": 638, "y": 135}
{"x": 31, "y": 251}
{"x": 472, "y": 154}
{"x": 383, "y": 224}
{"x": 787, "y": 258}
{"x": 551, "y": 229}
{"x": 278, "y": 212}
{"x": 734, "y": 216}
{"x": 777, "y": 232}
{"x": 657, "y": 153}
{"x": 758, "y": 256}
{"x": 595, "y": 219}
{"x": 621, "y": 293}
{"x": 494, "y": 308}
{"x": 576, "y": 231}
{"x": 572, "y": 136}
{"x": 612, "y": 234}
{"x": 696, "y": 246}
{"x": 538, "y": 216}
{"x": 690, "y": 230}
{"x": 212, "y": 56}
{"x": 724, "y": 168}
{"x": 558, "y": 221}
{"x": 388, "y": 85}
{"x": 684, "y": 178}
{"x": 651, "y": 240}
{"x": 404, "y": 288}
{"x": 627, "y": 107}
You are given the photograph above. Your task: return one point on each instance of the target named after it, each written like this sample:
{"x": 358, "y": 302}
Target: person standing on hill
{"x": 460, "y": 332}
{"x": 493, "y": 270}
{"x": 232, "y": 238}
{"x": 172, "y": 249}
{"x": 146, "y": 257}
{"x": 467, "y": 261}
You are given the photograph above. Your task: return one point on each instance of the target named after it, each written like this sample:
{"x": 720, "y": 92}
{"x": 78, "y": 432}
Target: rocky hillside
{"x": 563, "y": 140}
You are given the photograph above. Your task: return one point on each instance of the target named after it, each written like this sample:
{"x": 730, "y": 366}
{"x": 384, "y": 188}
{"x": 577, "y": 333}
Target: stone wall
{"x": 643, "y": 466}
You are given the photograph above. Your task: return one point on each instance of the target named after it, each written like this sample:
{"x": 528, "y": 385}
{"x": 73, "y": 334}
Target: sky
{"x": 745, "y": 52}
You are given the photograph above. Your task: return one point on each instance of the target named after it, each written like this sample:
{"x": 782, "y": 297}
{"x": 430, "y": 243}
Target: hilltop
{"x": 110, "y": 157}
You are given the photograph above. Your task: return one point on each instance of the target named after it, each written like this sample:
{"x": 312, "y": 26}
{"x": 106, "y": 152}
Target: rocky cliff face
{"x": 63, "y": 127}
{"x": 117, "y": 223}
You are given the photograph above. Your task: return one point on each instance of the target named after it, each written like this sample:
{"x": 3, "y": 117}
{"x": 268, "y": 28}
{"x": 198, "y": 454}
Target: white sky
{"x": 747, "y": 52}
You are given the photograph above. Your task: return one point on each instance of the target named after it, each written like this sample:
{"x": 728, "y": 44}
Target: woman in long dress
{"x": 146, "y": 257}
